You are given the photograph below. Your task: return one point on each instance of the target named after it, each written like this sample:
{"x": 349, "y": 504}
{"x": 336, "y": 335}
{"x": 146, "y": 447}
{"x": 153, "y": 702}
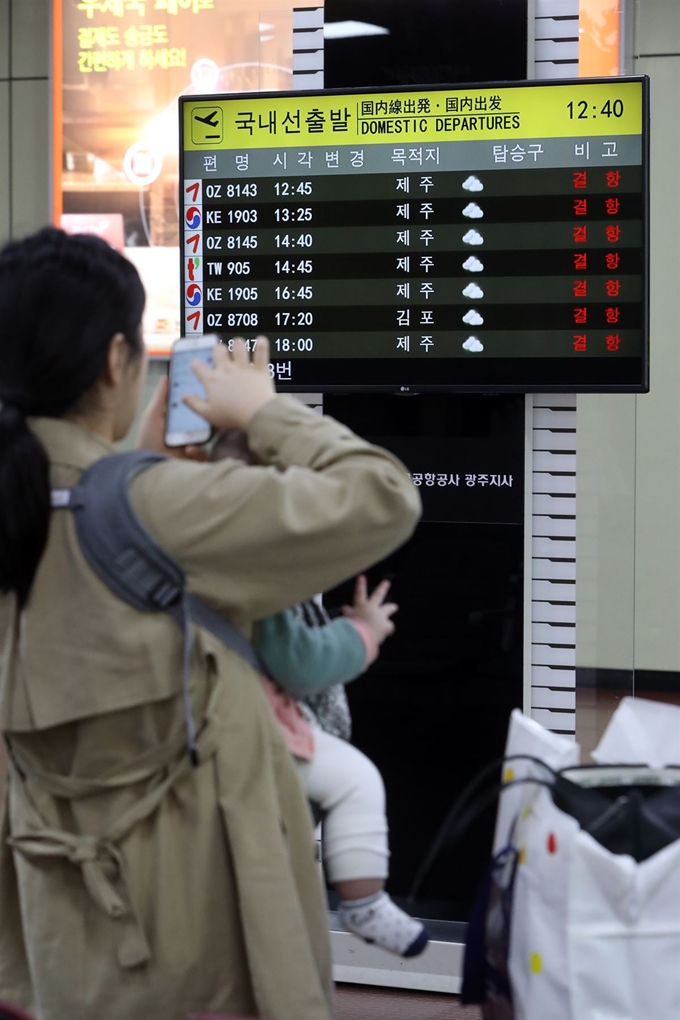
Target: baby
{"x": 309, "y": 658}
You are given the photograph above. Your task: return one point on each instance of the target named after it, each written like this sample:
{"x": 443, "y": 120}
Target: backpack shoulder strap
{"x": 115, "y": 542}
{"x": 121, "y": 551}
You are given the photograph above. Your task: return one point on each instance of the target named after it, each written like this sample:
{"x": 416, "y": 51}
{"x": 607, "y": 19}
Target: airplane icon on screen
{"x": 211, "y": 120}
{"x": 206, "y": 125}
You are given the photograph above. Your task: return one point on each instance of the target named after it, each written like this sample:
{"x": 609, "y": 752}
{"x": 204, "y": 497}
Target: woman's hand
{"x": 373, "y": 609}
{"x": 236, "y": 388}
{"x": 153, "y": 426}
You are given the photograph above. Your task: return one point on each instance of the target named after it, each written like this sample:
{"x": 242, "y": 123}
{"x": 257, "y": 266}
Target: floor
{"x": 361, "y": 1002}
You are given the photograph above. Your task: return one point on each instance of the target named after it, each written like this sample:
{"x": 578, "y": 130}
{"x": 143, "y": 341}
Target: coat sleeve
{"x": 323, "y": 506}
{"x": 306, "y": 660}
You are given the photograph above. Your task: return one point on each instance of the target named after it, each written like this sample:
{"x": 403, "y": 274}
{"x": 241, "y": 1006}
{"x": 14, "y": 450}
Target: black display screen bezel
{"x": 488, "y": 375}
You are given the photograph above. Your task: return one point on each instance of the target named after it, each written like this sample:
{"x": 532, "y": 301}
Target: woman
{"x": 132, "y": 885}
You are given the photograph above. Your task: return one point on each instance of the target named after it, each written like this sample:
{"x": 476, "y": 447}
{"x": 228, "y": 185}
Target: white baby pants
{"x": 349, "y": 790}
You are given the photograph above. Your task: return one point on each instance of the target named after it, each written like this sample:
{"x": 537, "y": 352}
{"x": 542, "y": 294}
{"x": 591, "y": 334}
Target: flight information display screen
{"x": 489, "y": 237}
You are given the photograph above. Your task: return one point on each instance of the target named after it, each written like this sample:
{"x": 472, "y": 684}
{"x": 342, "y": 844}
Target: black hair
{"x": 231, "y": 443}
{"x": 62, "y": 299}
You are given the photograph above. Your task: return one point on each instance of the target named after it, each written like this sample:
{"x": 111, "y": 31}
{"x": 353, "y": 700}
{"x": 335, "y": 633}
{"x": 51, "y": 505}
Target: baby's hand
{"x": 373, "y": 609}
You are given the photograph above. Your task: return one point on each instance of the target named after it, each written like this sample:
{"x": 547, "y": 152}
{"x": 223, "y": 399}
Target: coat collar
{"x": 70, "y": 445}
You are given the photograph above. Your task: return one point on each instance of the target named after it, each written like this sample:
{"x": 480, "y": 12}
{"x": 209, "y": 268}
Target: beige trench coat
{"x": 133, "y": 887}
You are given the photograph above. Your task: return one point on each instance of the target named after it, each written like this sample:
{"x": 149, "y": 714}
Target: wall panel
{"x": 30, "y": 163}
{"x": 30, "y": 38}
{"x": 4, "y": 162}
{"x": 657, "y": 588}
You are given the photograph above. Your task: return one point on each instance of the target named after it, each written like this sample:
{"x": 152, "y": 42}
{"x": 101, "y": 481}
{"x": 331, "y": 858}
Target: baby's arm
{"x": 305, "y": 660}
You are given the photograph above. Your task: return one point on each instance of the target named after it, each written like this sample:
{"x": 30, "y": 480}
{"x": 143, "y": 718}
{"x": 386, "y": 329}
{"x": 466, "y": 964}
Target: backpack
{"x": 123, "y": 554}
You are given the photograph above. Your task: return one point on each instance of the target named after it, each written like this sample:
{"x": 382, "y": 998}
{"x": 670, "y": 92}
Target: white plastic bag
{"x": 641, "y": 731}
{"x": 623, "y": 931}
{"x": 594, "y": 935}
{"x": 527, "y": 737}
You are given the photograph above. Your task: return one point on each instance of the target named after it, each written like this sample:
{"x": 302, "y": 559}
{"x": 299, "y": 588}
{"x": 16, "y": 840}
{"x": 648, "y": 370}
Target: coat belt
{"x": 100, "y": 857}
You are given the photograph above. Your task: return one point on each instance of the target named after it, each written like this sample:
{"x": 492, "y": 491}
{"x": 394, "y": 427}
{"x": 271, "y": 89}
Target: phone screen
{"x": 181, "y": 419}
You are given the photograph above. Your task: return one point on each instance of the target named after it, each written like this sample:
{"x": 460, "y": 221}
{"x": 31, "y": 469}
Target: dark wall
{"x": 429, "y": 41}
{"x": 434, "y": 708}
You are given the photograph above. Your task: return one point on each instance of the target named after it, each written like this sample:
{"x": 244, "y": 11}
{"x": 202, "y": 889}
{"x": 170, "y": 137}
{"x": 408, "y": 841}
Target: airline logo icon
{"x": 192, "y": 192}
{"x": 194, "y": 270}
{"x": 194, "y": 295}
{"x": 192, "y": 243}
{"x": 193, "y": 322}
{"x": 192, "y": 217}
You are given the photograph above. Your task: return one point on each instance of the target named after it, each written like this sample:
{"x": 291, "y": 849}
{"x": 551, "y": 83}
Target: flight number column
{"x": 230, "y": 242}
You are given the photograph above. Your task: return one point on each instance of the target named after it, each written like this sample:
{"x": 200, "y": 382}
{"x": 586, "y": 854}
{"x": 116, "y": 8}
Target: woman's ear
{"x": 116, "y": 361}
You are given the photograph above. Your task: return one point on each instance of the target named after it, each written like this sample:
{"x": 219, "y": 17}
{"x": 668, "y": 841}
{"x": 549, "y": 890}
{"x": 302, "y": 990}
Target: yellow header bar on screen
{"x": 429, "y": 115}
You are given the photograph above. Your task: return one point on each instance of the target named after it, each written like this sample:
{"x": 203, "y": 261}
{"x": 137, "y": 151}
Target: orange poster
{"x": 119, "y": 68}
{"x": 599, "y": 38}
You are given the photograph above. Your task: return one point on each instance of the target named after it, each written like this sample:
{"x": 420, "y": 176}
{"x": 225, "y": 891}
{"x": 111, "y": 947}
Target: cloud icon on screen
{"x": 473, "y": 184}
{"x": 473, "y": 318}
{"x": 473, "y": 237}
{"x": 473, "y": 265}
{"x": 473, "y": 344}
{"x": 473, "y": 291}
{"x": 473, "y": 211}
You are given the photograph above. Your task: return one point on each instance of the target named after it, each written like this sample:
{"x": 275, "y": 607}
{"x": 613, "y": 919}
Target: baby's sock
{"x": 377, "y": 919}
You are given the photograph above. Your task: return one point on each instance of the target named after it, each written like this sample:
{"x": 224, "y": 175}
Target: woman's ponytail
{"x": 24, "y": 502}
{"x": 62, "y": 299}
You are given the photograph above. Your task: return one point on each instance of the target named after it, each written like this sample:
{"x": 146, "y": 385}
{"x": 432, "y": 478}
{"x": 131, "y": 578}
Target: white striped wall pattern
{"x": 308, "y": 48}
{"x": 551, "y": 648}
{"x": 552, "y": 580}
{"x": 556, "y": 39}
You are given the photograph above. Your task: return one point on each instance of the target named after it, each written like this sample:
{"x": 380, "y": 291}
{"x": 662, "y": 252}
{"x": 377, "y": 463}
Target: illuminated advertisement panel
{"x": 438, "y": 238}
{"x": 119, "y": 68}
{"x": 600, "y": 37}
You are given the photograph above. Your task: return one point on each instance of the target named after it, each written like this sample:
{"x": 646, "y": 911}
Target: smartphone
{"x": 183, "y": 425}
